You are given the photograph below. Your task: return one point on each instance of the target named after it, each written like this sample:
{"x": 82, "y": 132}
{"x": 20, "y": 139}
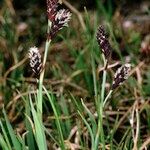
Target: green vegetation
{"x": 70, "y": 105}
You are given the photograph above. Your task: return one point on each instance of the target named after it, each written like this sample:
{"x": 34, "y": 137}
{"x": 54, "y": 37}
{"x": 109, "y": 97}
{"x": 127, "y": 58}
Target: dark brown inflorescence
{"x": 61, "y": 20}
{"x": 52, "y": 6}
{"x": 121, "y": 75}
{"x": 103, "y": 42}
{"x": 58, "y": 18}
{"x": 35, "y": 60}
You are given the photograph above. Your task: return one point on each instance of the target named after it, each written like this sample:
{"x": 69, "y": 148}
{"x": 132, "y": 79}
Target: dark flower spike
{"x": 121, "y": 75}
{"x": 52, "y": 9}
{"x": 35, "y": 60}
{"x": 61, "y": 20}
{"x": 103, "y": 42}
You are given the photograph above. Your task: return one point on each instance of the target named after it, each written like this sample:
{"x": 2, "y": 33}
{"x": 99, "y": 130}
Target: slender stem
{"x": 104, "y": 79}
{"x": 100, "y": 127}
{"x": 103, "y": 86}
{"x": 100, "y": 109}
{"x": 94, "y": 75}
{"x": 102, "y": 99}
{"x": 109, "y": 94}
{"x": 40, "y": 97}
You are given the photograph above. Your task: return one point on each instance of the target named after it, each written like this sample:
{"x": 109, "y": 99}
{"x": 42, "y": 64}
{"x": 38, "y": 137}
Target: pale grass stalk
{"x": 100, "y": 132}
{"x": 40, "y": 93}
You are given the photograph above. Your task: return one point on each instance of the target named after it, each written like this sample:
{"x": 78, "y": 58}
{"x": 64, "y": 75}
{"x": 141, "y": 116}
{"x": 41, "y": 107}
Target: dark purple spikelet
{"x": 103, "y": 42}
{"x": 61, "y": 20}
{"x": 35, "y": 60}
{"x": 58, "y": 18}
{"x": 52, "y": 9}
{"x": 121, "y": 75}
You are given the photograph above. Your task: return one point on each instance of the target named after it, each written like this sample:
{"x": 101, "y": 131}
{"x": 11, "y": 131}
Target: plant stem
{"x": 103, "y": 86}
{"x": 109, "y": 94}
{"x": 40, "y": 95}
{"x": 100, "y": 132}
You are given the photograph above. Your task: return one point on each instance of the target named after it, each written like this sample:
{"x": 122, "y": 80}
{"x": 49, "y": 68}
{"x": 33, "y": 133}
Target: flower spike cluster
{"x": 52, "y": 6}
{"x": 61, "y": 20}
{"x": 121, "y": 75}
{"x": 123, "y": 72}
{"x": 35, "y": 60}
{"x": 103, "y": 42}
{"x": 58, "y": 18}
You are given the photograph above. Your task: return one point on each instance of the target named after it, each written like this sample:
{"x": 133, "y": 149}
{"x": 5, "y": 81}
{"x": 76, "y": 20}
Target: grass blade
{"x": 30, "y": 135}
{"x": 3, "y": 144}
{"x": 16, "y": 143}
{"x": 5, "y": 135}
{"x": 57, "y": 119}
{"x": 39, "y": 129}
{"x": 89, "y": 129}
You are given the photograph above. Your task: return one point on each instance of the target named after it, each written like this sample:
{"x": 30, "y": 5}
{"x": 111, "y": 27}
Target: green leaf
{"x": 39, "y": 129}
{"x": 5, "y": 135}
{"x": 50, "y": 98}
{"x": 3, "y": 144}
{"x": 28, "y": 122}
{"x": 16, "y": 143}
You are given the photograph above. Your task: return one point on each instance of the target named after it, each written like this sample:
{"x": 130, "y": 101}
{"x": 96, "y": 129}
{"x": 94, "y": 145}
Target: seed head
{"x": 61, "y": 20}
{"x": 121, "y": 75}
{"x": 103, "y": 42}
{"x": 52, "y": 6}
{"x": 58, "y": 18}
{"x": 35, "y": 60}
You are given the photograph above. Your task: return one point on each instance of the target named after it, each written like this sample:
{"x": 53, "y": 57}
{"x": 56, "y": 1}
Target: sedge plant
{"x": 57, "y": 19}
{"x": 122, "y": 74}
